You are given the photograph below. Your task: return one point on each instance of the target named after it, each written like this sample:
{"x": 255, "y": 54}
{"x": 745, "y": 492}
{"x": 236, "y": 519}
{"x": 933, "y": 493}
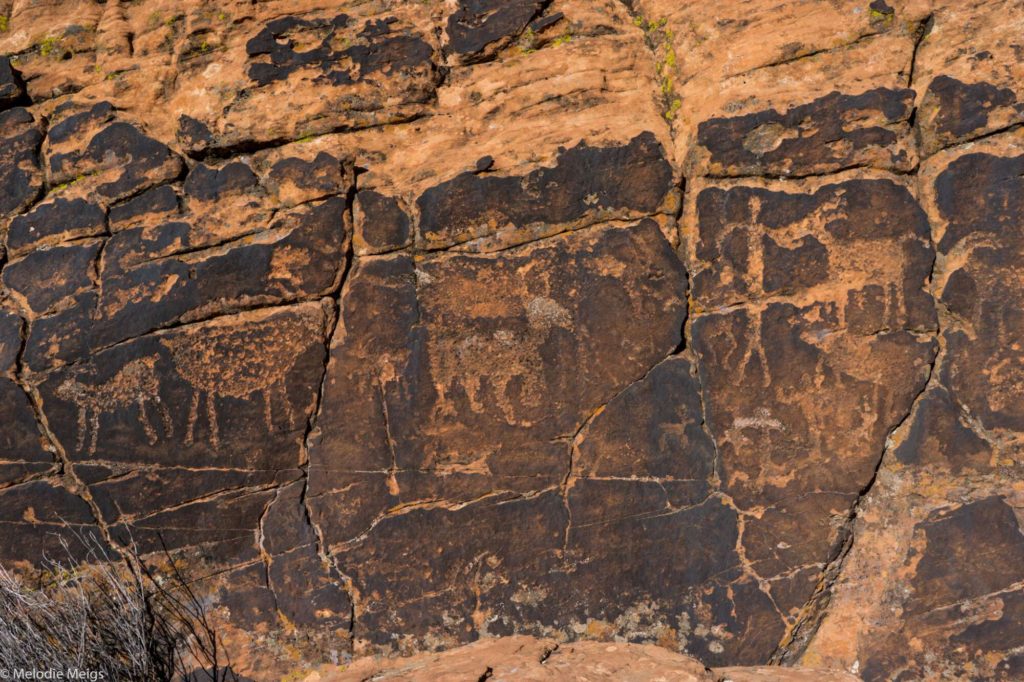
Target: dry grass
{"x": 108, "y": 614}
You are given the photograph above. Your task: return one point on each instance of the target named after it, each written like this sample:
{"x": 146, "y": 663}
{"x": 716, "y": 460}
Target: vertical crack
{"x": 664, "y": 63}
{"x": 813, "y": 613}
{"x": 924, "y": 27}
{"x": 814, "y": 610}
{"x": 393, "y": 470}
{"x": 313, "y": 423}
{"x": 65, "y": 469}
{"x": 262, "y": 546}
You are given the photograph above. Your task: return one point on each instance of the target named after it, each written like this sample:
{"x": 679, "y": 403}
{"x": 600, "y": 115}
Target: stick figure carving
{"x": 238, "y": 362}
{"x": 136, "y": 383}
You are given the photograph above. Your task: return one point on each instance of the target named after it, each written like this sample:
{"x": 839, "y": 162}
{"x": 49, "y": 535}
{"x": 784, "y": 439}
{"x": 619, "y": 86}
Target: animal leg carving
{"x": 95, "y": 431}
{"x": 147, "y": 427}
{"x": 83, "y": 428}
{"x": 211, "y": 415}
{"x": 193, "y": 417}
{"x": 165, "y": 416}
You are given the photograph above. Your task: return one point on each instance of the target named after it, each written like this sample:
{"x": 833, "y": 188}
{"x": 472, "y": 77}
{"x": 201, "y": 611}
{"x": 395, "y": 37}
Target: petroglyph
{"x": 237, "y": 362}
{"x": 136, "y": 384}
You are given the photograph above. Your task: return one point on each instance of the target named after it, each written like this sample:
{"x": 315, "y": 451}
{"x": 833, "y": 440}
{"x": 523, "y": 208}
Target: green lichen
{"x": 75, "y": 180}
{"x": 661, "y": 40}
{"x": 562, "y": 39}
{"x": 4, "y": 23}
{"x": 527, "y": 42}
{"x": 49, "y": 46}
{"x": 878, "y": 15}
{"x": 673, "y": 109}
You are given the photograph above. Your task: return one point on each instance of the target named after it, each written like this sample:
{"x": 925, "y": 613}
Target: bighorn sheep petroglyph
{"x": 136, "y": 383}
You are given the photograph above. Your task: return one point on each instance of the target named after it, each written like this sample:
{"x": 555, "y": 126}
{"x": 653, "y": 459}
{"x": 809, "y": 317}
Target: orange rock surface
{"x": 410, "y": 324}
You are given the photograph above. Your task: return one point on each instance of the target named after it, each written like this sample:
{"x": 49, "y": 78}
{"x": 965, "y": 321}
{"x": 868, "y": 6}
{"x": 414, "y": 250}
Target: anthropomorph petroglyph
{"x": 236, "y": 363}
{"x": 136, "y": 383}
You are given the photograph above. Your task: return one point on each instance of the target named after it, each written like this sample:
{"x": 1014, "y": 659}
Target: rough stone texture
{"x": 527, "y": 658}
{"x": 408, "y": 324}
{"x": 933, "y": 571}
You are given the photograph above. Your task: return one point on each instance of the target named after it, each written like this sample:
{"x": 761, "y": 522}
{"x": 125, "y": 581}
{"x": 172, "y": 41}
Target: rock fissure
{"x": 808, "y": 55}
{"x": 924, "y": 27}
{"x": 633, "y": 323}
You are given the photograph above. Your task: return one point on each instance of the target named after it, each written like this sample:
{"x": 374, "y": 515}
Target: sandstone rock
{"x": 527, "y": 658}
{"x": 12, "y": 89}
{"x": 407, "y": 325}
{"x": 585, "y": 186}
{"x": 919, "y": 559}
{"x": 22, "y": 450}
{"x": 38, "y": 515}
{"x": 826, "y": 135}
{"x": 971, "y": 80}
{"x": 20, "y": 176}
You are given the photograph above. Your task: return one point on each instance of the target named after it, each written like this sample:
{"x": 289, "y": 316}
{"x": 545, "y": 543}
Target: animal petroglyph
{"x": 136, "y": 384}
{"x": 236, "y": 363}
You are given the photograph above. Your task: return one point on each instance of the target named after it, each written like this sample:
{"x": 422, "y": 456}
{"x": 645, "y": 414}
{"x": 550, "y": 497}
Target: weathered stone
{"x": 699, "y": 598}
{"x": 418, "y": 375}
{"x": 224, "y": 526}
{"x": 955, "y": 594}
{"x": 119, "y": 160}
{"x": 307, "y": 589}
{"x": 831, "y": 133}
{"x": 70, "y": 270}
{"x": 54, "y": 222}
{"x": 165, "y": 399}
{"x": 381, "y": 224}
{"x": 979, "y": 197}
{"x": 532, "y": 660}
{"x": 969, "y": 69}
{"x": 477, "y": 24}
{"x": 20, "y": 176}
{"x": 500, "y": 437}
{"x": 585, "y": 186}
{"x": 12, "y": 88}
{"x": 813, "y": 312}
{"x": 294, "y": 180}
{"x": 123, "y": 493}
{"x": 365, "y": 70}
{"x": 940, "y": 436}
{"x": 246, "y": 597}
{"x": 435, "y": 573}
{"x": 652, "y": 430}
{"x": 207, "y": 184}
{"x": 37, "y": 516}
{"x": 403, "y": 354}
{"x": 151, "y": 205}
{"x": 21, "y": 447}
{"x": 809, "y": 345}
{"x": 302, "y": 254}
{"x": 923, "y": 570}
{"x": 953, "y": 112}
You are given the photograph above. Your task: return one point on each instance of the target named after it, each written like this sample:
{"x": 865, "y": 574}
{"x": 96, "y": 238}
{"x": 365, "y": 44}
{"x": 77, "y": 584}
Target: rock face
{"x": 531, "y": 660}
{"x": 406, "y": 325}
